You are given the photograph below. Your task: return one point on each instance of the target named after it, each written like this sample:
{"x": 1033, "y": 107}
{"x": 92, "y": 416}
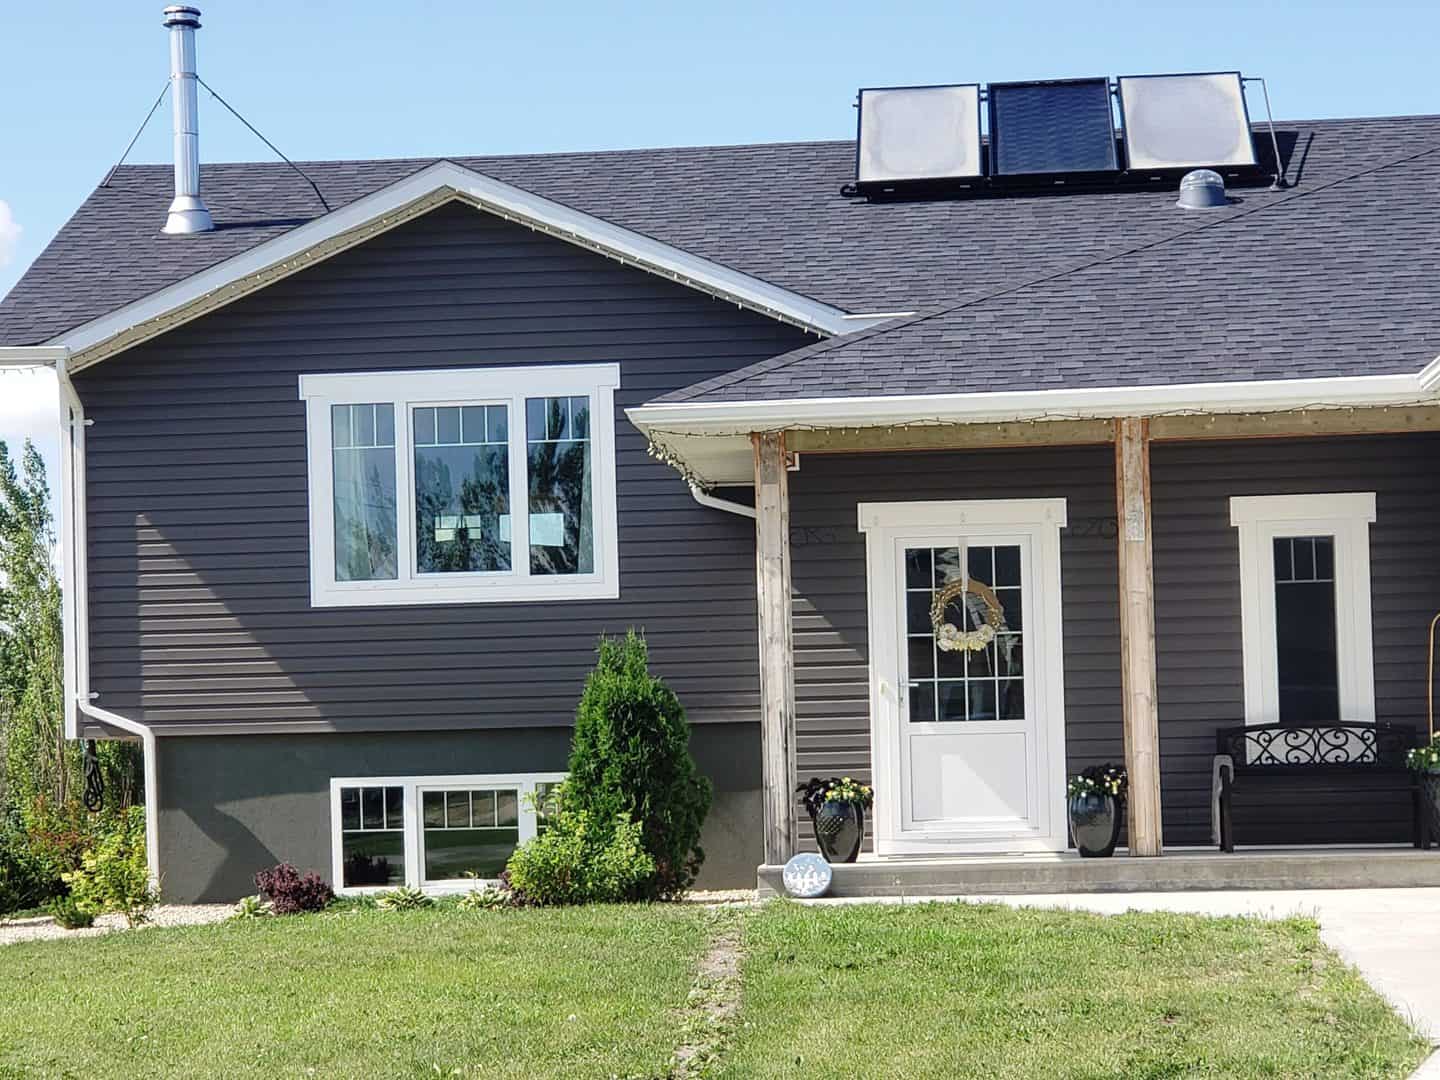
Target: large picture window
{"x": 1305, "y": 607}
{"x": 434, "y": 832}
{"x": 462, "y": 486}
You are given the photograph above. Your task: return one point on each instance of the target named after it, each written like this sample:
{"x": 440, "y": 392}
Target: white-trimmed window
{"x": 462, "y": 486}
{"x": 1305, "y": 607}
{"x": 432, "y": 832}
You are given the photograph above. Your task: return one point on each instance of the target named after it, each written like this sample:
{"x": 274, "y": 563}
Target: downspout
{"x": 75, "y": 601}
{"x": 729, "y": 507}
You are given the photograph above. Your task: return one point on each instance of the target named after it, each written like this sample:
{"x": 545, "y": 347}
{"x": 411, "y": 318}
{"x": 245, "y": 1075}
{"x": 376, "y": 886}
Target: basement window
{"x": 440, "y": 833}
{"x": 462, "y": 486}
{"x": 1305, "y": 607}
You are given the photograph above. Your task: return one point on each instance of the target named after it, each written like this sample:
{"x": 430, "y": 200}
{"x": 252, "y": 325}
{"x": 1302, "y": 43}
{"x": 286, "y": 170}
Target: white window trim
{"x": 503, "y": 385}
{"x": 1260, "y": 520}
{"x": 524, "y": 783}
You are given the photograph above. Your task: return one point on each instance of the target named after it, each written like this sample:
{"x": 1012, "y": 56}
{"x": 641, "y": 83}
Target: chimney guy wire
{"x": 266, "y": 141}
{"x": 138, "y": 132}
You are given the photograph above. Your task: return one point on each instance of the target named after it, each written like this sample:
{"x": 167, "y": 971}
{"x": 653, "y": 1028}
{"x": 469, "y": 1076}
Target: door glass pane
{"x": 557, "y": 442}
{"x": 475, "y": 842}
{"x": 1305, "y": 644}
{"x": 974, "y": 671}
{"x": 362, "y": 441}
{"x": 462, "y": 489}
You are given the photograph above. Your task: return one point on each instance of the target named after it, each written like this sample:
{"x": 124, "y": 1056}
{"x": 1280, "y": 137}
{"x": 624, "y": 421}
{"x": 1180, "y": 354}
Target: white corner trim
{"x": 508, "y": 386}
{"x": 1430, "y": 376}
{"x": 413, "y": 833}
{"x": 1260, "y": 520}
{"x": 418, "y": 193}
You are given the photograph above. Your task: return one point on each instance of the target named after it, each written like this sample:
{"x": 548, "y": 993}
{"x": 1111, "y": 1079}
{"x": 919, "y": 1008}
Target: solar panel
{"x": 1185, "y": 121}
{"x": 1061, "y": 126}
{"x": 919, "y": 133}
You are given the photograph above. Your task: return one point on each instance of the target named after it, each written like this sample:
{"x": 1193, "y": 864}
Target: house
{"x": 361, "y": 456}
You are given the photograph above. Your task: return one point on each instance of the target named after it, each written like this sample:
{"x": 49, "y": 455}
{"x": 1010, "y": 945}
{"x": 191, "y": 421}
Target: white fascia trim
{"x": 1075, "y": 403}
{"x": 33, "y": 355}
{"x": 417, "y": 193}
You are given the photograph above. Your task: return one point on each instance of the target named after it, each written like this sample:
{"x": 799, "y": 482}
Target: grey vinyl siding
{"x": 828, "y": 569}
{"x": 199, "y": 582}
{"x": 1197, "y": 586}
{"x": 1197, "y": 613}
{"x": 234, "y": 804}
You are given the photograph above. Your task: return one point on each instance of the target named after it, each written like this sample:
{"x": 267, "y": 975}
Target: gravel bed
{"x": 44, "y": 927}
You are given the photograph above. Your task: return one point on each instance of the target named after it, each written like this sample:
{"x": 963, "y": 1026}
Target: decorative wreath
{"x": 984, "y": 608}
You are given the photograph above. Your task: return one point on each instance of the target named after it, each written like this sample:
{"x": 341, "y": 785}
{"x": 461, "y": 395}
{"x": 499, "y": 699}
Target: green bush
{"x": 113, "y": 876}
{"x": 69, "y": 914}
{"x": 405, "y": 898}
{"x": 630, "y": 758}
{"x": 579, "y": 858}
{"x": 25, "y": 881}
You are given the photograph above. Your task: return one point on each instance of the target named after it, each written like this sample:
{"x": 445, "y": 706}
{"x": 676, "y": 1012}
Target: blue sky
{"x": 373, "y": 79}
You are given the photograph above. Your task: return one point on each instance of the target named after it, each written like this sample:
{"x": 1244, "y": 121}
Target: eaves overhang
{"x": 407, "y": 199}
{"x": 708, "y": 442}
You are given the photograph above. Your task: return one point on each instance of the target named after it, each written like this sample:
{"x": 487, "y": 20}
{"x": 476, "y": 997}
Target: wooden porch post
{"x": 777, "y": 658}
{"x": 1137, "y": 634}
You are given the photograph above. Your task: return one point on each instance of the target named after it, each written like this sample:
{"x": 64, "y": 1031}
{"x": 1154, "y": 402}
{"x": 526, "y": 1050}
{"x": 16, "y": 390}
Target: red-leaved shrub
{"x": 290, "y": 892}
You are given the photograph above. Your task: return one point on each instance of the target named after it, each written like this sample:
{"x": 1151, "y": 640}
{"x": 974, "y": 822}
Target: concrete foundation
{"x": 1193, "y": 869}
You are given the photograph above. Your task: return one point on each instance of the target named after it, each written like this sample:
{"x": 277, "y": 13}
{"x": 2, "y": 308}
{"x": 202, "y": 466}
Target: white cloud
{"x": 9, "y": 233}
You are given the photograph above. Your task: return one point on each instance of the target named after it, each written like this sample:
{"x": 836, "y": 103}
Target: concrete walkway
{"x": 1391, "y": 935}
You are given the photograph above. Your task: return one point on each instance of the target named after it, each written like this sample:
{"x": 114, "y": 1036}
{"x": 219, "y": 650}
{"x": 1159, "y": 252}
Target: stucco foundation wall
{"x": 231, "y": 805}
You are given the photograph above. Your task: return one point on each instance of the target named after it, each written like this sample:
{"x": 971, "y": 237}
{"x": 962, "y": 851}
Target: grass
{"x": 960, "y": 990}
{"x": 933, "y": 990}
{"x": 358, "y": 993}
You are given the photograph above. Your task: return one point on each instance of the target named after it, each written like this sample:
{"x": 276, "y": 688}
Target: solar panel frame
{"x": 940, "y": 178}
{"x": 1244, "y": 108}
{"x": 998, "y": 137}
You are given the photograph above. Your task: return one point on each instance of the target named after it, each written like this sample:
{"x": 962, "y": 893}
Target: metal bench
{"x": 1342, "y": 750}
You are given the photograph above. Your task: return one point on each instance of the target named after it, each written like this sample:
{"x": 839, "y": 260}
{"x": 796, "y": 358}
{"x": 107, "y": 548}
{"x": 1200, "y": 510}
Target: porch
{"x": 1147, "y": 549}
{"x": 1183, "y": 869}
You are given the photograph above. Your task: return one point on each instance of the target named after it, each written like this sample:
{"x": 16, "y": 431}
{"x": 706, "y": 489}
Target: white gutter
{"x": 740, "y": 417}
{"x": 729, "y": 507}
{"x": 74, "y": 595}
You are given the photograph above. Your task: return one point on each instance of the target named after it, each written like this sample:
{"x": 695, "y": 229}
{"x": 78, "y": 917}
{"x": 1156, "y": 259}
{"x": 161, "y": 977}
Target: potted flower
{"x": 1097, "y": 804}
{"x": 1425, "y": 762}
{"x": 837, "y": 808}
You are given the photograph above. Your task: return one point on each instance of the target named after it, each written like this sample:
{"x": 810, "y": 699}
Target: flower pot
{"x": 839, "y": 829}
{"x": 1431, "y": 782}
{"x": 1095, "y": 824}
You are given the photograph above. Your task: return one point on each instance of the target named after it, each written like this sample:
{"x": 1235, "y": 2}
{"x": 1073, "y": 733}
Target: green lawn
{"x": 959, "y": 990}
{"x": 360, "y": 993}
{"x": 938, "y": 990}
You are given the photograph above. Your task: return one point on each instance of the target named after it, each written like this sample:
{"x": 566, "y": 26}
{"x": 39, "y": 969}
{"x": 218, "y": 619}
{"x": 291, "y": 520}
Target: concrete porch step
{"x": 1184, "y": 869}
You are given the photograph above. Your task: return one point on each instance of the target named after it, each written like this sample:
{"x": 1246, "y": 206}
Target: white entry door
{"x": 966, "y": 675}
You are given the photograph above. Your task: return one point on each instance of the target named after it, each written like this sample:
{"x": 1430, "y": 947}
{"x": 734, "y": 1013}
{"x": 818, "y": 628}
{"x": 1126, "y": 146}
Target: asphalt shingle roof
{"x": 1330, "y": 278}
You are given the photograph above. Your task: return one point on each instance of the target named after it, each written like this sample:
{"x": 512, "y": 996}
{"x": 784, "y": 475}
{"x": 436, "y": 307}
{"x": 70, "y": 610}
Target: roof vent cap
{"x": 1202, "y": 189}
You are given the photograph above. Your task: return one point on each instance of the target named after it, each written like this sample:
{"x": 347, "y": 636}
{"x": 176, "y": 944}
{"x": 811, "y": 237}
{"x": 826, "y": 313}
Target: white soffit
{"x": 919, "y": 133}
{"x": 405, "y": 199}
{"x": 1185, "y": 121}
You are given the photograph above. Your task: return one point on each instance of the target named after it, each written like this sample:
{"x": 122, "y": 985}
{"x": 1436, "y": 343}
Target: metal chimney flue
{"x": 188, "y": 213}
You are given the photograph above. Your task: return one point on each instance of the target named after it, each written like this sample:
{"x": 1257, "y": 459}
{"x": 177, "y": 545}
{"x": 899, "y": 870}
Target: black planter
{"x": 839, "y": 829}
{"x": 1431, "y": 782}
{"x": 1095, "y": 824}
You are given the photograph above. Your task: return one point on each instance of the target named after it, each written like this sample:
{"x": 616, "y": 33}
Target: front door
{"x": 966, "y": 675}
